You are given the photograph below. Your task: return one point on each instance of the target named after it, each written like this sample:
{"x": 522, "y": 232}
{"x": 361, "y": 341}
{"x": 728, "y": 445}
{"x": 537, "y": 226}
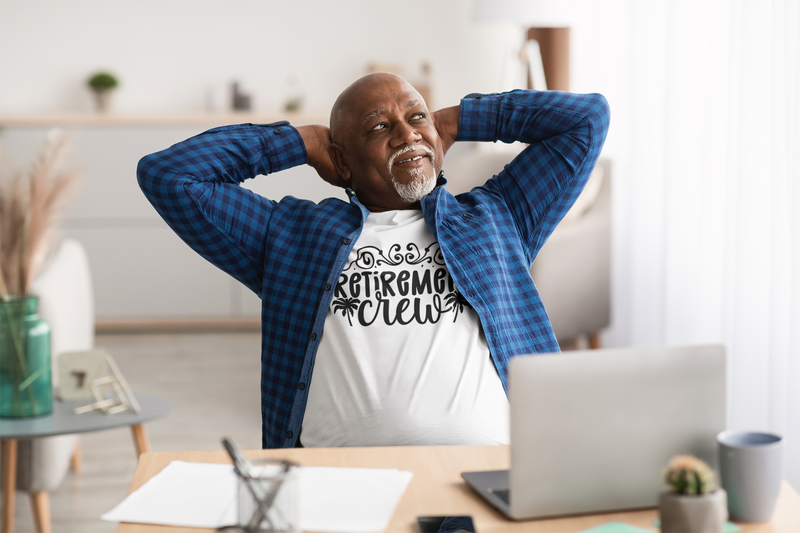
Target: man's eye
{"x": 378, "y": 126}
{"x": 418, "y": 115}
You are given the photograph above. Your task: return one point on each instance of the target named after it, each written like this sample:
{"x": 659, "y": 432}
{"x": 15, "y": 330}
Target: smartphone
{"x": 445, "y": 524}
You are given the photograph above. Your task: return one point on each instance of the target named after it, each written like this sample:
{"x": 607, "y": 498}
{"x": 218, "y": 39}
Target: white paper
{"x": 331, "y": 500}
{"x": 357, "y": 500}
{"x": 183, "y": 494}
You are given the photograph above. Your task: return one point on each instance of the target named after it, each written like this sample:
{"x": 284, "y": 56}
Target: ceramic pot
{"x": 26, "y": 388}
{"x": 102, "y": 100}
{"x": 688, "y": 513}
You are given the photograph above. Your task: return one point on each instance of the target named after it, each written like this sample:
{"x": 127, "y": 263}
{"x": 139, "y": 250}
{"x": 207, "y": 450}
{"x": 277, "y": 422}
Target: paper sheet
{"x": 331, "y": 500}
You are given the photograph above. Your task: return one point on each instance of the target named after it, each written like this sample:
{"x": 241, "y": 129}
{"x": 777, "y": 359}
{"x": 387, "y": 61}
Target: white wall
{"x": 169, "y": 53}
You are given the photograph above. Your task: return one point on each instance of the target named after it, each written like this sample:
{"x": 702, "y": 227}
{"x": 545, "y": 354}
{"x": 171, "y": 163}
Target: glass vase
{"x": 26, "y": 388}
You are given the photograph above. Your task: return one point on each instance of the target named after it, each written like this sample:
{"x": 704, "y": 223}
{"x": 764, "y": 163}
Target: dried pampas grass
{"x": 30, "y": 204}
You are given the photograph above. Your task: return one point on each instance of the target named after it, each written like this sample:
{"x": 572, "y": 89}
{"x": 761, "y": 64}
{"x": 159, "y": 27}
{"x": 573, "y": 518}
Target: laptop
{"x": 592, "y": 431}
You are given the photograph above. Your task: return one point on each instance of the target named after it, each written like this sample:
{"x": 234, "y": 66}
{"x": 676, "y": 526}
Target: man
{"x": 390, "y": 319}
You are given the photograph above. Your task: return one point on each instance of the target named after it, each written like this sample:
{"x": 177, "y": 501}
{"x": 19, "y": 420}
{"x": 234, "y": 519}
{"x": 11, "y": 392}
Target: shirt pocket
{"x": 474, "y": 231}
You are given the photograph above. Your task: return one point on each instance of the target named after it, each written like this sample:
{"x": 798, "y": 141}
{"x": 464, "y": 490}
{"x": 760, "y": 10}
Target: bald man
{"x": 388, "y": 319}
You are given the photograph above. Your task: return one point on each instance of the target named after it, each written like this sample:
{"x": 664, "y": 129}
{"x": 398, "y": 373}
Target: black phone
{"x": 445, "y": 524}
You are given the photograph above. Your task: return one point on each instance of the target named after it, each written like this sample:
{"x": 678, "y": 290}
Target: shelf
{"x": 154, "y": 119}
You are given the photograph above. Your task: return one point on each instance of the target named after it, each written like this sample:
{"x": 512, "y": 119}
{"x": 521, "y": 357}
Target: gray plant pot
{"x": 102, "y": 100}
{"x": 681, "y": 513}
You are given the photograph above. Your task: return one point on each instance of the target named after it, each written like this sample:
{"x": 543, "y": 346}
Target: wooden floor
{"x": 213, "y": 379}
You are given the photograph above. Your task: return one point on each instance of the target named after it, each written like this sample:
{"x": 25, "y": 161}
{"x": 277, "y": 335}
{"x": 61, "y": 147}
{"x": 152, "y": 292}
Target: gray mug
{"x": 751, "y": 468}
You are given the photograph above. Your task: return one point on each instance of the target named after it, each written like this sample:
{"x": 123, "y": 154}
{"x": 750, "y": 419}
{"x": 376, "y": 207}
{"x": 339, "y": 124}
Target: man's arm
{"x": 194, "y": 186}
{"x": 317, "y": 140}
{"x": 565, "y": 133}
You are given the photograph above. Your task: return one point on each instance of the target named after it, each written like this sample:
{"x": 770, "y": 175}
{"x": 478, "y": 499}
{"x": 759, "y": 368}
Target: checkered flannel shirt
{"x": 291, "y": 252}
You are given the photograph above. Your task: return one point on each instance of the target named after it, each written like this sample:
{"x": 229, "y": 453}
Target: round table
{"x": 62, "y": 421}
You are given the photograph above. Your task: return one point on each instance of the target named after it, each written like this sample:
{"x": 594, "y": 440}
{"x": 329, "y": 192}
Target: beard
{"x": 420, "y": 185}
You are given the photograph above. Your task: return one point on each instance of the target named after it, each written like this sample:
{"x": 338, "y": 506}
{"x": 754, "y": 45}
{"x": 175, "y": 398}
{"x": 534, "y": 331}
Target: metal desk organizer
{"x": 266, "y": 493}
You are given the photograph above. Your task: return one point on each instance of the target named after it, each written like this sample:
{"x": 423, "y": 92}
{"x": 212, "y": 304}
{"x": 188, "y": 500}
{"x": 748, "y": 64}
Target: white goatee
{"x": 420, "y": 185}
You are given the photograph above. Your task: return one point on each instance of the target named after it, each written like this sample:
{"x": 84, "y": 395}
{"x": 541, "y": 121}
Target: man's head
{"x": 385, "y": 143}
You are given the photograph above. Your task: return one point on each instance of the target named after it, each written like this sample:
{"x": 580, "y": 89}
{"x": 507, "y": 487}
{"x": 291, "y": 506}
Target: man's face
{"x": 391, "y": 147}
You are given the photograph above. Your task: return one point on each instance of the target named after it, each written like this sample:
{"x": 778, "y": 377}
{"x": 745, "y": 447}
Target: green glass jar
{"x": 26, "y": 388}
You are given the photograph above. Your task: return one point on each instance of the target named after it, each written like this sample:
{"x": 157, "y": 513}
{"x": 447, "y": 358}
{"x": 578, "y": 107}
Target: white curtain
{"x": 709, "y": 223}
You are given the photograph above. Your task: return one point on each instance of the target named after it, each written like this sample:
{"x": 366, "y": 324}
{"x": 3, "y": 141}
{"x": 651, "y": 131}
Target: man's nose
{"x": 404, "y": 133}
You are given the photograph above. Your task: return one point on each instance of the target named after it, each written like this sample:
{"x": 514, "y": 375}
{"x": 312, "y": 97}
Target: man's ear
{"x": 339, "y": 161}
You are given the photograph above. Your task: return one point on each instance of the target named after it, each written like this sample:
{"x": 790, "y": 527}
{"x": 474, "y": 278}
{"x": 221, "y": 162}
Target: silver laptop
{"x": 592, "y": 431}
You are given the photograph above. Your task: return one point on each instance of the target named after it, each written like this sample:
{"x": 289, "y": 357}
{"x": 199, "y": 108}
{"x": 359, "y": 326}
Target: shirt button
{"x": 327, "y": 286}
{"x": 346, "y": 240}
{"x": 289, "y": 434}
{"x": 313, "y": 336}
{"x": 466, "y": 215}
{"x": 277, "y": 131}
{"x": 301, "y": 386}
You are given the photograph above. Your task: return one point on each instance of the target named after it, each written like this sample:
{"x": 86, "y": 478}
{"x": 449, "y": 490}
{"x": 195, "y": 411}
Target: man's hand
{"x": 318, "y": 143}
{"x": 446, "y": 122}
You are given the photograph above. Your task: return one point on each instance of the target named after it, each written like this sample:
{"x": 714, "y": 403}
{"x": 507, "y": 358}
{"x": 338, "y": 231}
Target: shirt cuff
{"x": 477, "y": 118}
{"x": 284, "y": 146}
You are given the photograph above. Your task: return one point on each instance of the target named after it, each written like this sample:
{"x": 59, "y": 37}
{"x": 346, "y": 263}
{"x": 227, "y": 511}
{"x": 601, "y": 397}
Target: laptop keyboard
{"x": 501, "y": 493}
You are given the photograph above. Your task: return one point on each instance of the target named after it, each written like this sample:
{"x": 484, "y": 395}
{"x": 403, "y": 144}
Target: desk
{"x": 437, "y": 487}
{"x": 62, "y": 421}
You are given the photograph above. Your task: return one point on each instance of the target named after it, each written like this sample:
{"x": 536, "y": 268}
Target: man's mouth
{"x": 411, "y": 156}
{"x": 411, "y": 159}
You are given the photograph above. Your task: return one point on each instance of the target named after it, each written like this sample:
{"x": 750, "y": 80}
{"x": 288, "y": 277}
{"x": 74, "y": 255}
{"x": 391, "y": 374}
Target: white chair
{"x": 572, "y": 270}
{"x": 66, "y": 302}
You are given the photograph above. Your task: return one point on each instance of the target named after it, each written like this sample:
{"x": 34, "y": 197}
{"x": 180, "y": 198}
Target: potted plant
{"x": 692, "y": 502}
{"x": 29, "y": 204}
{"x": 101, "y": 84}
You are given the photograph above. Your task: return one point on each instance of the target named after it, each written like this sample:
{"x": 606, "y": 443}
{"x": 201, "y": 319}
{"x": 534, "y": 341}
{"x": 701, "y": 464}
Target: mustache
{"x": 410, "y": 148}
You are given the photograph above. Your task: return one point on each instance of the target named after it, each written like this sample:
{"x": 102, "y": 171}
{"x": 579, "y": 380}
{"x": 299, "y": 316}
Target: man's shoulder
{"x": 304, "y": 210}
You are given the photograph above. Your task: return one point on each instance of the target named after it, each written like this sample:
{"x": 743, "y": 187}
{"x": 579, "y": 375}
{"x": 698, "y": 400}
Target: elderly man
{"x": 389, "y": 319}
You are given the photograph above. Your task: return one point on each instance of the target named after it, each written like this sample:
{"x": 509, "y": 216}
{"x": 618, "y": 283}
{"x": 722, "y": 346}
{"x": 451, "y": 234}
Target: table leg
{"x": 140, "y": 439}
{"x": 76, "y": 461}
{"x": 594, "y": 341}
{"x": 40, "y": 502}
{"x": 9, "y": 483}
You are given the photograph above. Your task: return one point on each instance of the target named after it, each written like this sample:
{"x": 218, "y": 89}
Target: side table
{"x": 62, "y": 421}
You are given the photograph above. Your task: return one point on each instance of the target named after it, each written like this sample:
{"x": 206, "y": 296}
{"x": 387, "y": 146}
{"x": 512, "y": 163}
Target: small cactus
{"x": 686, "y": 474}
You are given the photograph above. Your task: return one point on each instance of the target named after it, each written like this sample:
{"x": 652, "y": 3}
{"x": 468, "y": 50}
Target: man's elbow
{"x": 146, "y": 171}
{"x": 600, "y": 115}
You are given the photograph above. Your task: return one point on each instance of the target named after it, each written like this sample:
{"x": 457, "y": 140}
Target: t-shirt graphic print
{"x": 402, "y": 359}
{"x": 404, "y": 285}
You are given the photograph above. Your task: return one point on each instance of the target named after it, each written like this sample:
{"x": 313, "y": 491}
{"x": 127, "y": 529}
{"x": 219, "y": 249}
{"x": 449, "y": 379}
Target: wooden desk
{"x": 437, "y": 488}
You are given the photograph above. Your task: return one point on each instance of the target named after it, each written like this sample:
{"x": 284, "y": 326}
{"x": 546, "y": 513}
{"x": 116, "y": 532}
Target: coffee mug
{"x": 751, "y": 469}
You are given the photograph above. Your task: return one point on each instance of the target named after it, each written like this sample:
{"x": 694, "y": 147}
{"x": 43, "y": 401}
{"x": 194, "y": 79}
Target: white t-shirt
{"x": 402, "y": 359}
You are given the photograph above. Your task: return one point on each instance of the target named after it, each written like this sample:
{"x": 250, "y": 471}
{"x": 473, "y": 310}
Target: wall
{"x": 169, "y": 54}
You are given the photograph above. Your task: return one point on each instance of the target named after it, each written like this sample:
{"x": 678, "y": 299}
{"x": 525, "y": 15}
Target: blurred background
{"x": 703, "y": 167}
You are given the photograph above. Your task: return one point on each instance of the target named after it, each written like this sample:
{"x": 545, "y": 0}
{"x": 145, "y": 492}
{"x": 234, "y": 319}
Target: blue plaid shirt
{"x": 291, "y": 252}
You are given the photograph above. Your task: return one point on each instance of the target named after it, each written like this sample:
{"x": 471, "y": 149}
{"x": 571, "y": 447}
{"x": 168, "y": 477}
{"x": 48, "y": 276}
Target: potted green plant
{"x": 101, "y": 84}
{"x": 692, "y": 501}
